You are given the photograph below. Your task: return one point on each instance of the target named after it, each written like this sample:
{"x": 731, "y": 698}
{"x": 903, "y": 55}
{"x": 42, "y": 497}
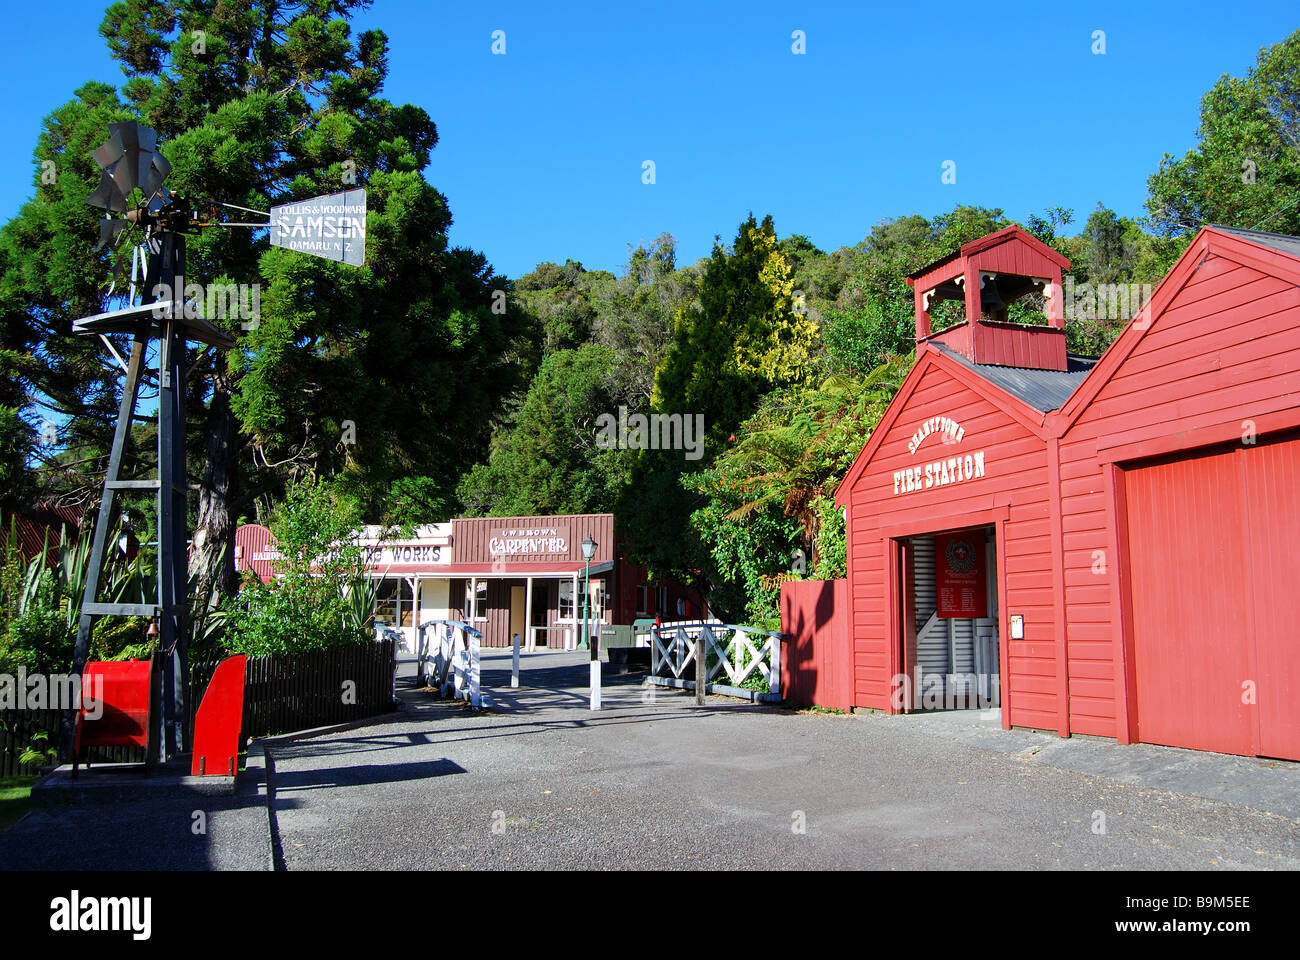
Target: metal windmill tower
{"x": 132, "y": 195}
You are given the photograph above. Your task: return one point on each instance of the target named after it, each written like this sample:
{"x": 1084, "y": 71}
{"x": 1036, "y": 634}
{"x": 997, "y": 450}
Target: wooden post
{"x": 701, "y": 673}
{"x": 529, "y": 640}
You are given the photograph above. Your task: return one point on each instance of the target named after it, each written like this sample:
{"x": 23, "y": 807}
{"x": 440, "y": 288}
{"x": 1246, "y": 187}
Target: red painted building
{"x": 503, "y": 575}
{"x": 1092, "y": 546}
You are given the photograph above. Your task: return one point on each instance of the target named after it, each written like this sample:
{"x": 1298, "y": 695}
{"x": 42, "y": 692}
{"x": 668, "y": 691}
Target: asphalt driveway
{"x": 653, "y": 781}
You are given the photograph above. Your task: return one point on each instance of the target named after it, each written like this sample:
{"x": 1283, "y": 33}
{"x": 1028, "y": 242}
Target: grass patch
{"x": 14, "y": 795}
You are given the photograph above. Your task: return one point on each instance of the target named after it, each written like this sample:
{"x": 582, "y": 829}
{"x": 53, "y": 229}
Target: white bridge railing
{"x": 449, "y": 660}
{"x": 733, "y": 656}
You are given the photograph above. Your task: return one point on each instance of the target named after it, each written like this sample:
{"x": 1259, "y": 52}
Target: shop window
{"x": 641, "y": 598}
{"x": 599, "y": 601}
{"x": 661, "y": 601}
{"x": 387, "y": 601}
{"x": 476, "y": 603}
{"x": 395, "y": 603}
{"x": 566, "y": 600}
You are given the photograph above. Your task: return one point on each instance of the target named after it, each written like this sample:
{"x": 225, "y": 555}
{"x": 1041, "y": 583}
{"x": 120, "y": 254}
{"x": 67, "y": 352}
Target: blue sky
{"x": 542, "y": 149}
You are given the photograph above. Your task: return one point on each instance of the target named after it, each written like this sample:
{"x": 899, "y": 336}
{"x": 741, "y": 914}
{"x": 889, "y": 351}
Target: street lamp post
{"x": 593, "y": 642}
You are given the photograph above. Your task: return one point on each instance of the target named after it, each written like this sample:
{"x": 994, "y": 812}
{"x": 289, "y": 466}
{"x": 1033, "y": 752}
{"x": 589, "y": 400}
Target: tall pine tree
{"x": 389, "y": 374}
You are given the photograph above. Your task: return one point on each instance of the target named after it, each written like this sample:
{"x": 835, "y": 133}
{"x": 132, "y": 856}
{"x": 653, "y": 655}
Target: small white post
{"x": 774, "y": 679}
{"x": 595, "y": 684}
{"x": 514, "y": 664}
{"x": 475, "y": 697}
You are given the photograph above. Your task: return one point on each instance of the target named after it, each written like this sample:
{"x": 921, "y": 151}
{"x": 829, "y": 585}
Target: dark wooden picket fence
{"x": 298, "y": 691}
{"x": 282, "y": 694}
{"x": 18, "y": 728}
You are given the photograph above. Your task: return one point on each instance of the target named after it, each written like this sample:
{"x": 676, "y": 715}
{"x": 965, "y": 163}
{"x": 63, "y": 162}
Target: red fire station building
{"x": 1094, "y": 546}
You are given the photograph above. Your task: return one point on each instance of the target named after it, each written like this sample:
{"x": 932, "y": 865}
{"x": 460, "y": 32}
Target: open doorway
{"x": 950, "y": 620}
{"x": 539, "y": 616}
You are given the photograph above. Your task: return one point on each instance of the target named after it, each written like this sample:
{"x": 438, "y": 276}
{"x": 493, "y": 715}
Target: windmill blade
{"x": 107, "y": 196}
{"x": 157, "y": 173}
{"x": 108, "y": 231}
{"x": 135, "y": 146}
{"x": 129, "y": 159}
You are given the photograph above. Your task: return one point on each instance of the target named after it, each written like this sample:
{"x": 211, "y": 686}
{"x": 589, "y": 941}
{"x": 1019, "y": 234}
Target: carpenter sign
{"x": 333, "y": 227}
{"x": 959, "y": 562}
{"x": 529, "y": 542}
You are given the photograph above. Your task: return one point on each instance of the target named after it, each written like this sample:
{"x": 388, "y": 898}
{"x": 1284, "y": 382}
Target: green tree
{"x": 745, "y": 337}
{"x": 547, "y": 459}
{"x": 306, "y": 606}
{"x": 1245, "y": 168}
{"x": 356, "y": 371}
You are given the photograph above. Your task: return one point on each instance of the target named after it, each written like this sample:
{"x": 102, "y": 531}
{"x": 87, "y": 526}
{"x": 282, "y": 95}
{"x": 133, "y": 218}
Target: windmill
{"x": 140, "y": 209}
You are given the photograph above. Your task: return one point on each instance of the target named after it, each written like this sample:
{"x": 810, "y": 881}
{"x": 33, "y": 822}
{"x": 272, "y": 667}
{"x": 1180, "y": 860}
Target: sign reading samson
{"x": 333, "y": 227}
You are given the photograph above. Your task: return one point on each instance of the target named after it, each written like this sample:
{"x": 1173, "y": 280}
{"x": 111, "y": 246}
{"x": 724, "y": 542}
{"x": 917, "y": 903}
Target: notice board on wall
{"x": 961, "y": 574}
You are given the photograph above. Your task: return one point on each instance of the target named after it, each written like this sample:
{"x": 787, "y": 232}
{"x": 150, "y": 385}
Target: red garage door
{"x": 1216, "y": 599}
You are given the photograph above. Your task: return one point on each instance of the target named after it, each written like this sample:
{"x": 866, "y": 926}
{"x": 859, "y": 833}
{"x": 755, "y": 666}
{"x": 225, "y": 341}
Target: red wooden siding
{"x": 956, "y": 338}
{"x": 1223, "y": 349}
{"x": 1016, "y": 481}
{"x": 1210, "y": 617}
{"x": 471, "y": 536}
{"x": 1006, "y": 344}
{"x": 817, "y": 663}
{"x": 1020, "y": 345}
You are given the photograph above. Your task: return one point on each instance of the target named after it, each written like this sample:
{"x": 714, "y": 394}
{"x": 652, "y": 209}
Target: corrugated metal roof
{"x": 1277, "y": 241}
{"x": 41, "y": 528}
{"x": 1044, "y": 390}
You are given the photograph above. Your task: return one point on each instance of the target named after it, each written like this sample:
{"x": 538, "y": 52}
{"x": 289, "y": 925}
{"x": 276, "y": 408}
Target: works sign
{"x": 942, "y": 472}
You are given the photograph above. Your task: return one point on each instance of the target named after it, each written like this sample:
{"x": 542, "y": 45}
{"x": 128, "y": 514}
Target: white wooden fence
{"x": 734, "y": 655}
{"x": 450, "y": 660}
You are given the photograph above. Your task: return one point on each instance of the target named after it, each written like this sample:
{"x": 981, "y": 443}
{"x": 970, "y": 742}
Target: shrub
{"x": 307, "y": 605}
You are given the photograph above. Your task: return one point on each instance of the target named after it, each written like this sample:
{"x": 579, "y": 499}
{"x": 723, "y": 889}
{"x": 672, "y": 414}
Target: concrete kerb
{"x": 125, "y": 783}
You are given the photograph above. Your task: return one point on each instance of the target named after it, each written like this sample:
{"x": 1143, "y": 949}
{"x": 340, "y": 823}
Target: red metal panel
{"x": 219, "y": 721}
{"x": 1185, "y": 532}
{"x": 115, "y": 705}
